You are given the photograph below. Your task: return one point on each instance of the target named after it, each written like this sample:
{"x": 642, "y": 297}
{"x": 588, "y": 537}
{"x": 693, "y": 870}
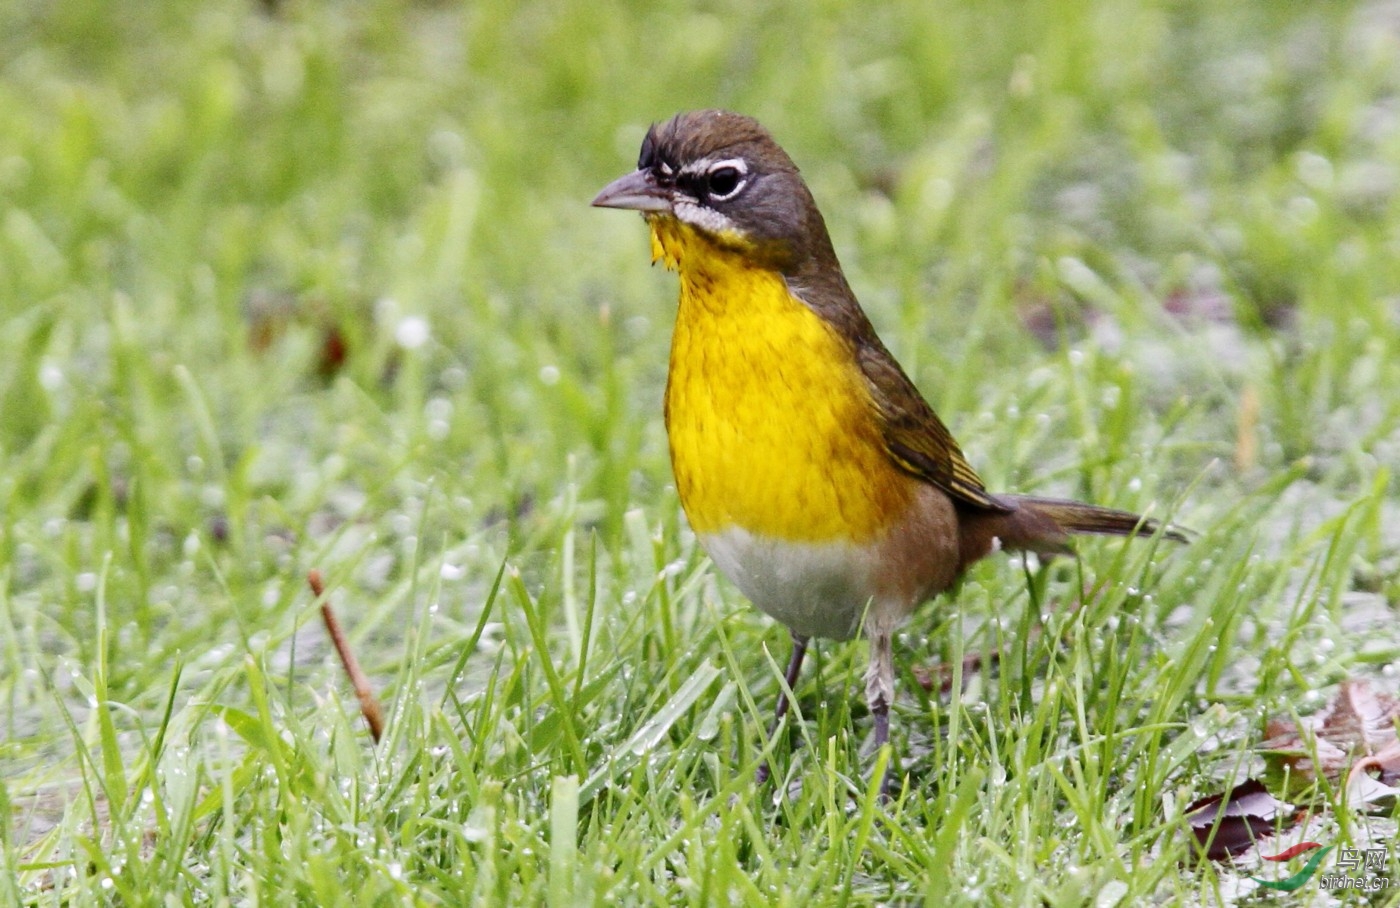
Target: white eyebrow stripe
{"x": 706, "y": 165}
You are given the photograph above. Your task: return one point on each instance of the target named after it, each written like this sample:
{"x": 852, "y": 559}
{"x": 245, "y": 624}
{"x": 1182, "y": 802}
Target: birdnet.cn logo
{"x": 1357, "y": 869}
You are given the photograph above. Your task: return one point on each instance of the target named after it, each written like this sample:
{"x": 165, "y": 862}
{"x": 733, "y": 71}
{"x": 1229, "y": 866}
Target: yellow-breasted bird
{"x": 813, "y": 472}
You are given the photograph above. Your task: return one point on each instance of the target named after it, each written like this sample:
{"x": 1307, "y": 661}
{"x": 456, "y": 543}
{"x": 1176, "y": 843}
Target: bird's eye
{"x": 723, "y": 182}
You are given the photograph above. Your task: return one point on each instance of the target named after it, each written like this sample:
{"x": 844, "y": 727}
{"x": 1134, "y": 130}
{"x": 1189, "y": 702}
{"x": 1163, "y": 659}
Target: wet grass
{"x": 318, "y": 286}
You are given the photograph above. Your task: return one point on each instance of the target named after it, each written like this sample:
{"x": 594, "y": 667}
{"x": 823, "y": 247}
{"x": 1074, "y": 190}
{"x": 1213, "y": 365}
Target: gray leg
{"x": 879, "y": 693}
{"x": 799, "y": 651}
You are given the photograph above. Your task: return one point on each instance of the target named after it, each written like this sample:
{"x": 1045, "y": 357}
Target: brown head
{"x": 723, "y": 174}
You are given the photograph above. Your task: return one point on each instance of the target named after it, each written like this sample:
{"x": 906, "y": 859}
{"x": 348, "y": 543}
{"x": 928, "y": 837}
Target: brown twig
{"x": 369, "y": 704}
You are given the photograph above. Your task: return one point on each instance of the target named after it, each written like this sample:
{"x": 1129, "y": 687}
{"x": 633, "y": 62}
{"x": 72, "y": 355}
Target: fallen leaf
{"x": 1364, "y": 791}
{"x": 1229, "y": 824}
{"x": 1357, "y": 730}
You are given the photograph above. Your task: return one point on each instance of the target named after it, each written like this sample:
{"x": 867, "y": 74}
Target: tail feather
{"x": 1079, "y": 518}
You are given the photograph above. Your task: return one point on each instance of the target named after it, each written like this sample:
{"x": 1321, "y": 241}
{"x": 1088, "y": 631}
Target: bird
{"x": 810, "y": 468}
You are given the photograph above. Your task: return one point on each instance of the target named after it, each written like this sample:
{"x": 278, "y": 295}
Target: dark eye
{"x": 723, "y": 182}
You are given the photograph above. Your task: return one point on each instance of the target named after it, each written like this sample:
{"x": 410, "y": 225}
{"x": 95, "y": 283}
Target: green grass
{"x": 577, "y": 701}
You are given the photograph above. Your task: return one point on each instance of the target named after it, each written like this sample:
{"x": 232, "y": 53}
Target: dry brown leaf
{"x": 1360, "y": 722}
{"x": 1229, "y": 823}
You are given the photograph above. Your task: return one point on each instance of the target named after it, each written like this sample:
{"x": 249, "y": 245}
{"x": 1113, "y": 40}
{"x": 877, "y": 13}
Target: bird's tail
{"x": 1075, "y": 517}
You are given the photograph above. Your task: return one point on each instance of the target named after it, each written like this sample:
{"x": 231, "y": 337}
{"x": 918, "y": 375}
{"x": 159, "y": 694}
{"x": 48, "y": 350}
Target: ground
{"x": 294, "y": 285}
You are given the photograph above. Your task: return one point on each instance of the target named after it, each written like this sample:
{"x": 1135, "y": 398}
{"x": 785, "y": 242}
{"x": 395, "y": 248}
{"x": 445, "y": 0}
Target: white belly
{"x": 816, "y": 589}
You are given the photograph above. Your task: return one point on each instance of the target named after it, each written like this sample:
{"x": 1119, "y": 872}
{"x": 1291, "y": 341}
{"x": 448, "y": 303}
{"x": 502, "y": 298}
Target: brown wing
{"x": 915, "y": 437}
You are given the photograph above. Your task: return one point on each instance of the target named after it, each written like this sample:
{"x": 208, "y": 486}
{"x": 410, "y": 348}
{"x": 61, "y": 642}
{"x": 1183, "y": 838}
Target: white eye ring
{"x": 740, "y": 168}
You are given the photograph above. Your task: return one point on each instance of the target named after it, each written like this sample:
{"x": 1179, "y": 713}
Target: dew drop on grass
{"x": 86, "y": 582}
{"x": 1314, "y": 170}
{"x": 549, "y": 376}
{"x": 446, "y": 148}
{"x": 438, "y": 408}
{"x": 412, "y": 332}
{"x": 1302, "y": 209}
{"x": 1112, "y": 893}
{"x": 451, "y": 571}
{"x": 50, "y": 377}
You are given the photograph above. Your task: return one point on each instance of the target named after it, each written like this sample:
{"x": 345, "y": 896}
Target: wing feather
{"x": 915, "y": 438}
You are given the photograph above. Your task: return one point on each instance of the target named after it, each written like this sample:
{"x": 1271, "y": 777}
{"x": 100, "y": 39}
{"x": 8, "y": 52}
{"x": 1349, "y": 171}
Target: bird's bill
{"x": 637, "y": 190}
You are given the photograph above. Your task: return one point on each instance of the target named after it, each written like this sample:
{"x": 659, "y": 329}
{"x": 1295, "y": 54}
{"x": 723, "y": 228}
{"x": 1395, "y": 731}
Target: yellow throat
{"x": 771, "y": 426}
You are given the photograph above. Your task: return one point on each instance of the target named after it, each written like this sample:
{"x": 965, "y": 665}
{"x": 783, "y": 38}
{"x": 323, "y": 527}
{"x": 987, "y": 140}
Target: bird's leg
{"x": 879, "y": 693}
{"x": 799, "y": 650}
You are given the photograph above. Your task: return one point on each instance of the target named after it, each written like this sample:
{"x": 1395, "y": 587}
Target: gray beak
{"x": 637, "y": 191}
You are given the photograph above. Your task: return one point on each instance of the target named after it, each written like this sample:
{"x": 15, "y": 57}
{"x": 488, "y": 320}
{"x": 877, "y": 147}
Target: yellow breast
{"x": 770, "y": 424}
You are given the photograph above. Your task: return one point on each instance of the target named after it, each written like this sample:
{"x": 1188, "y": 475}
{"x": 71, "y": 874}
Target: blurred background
{"x": 296, "y": 284}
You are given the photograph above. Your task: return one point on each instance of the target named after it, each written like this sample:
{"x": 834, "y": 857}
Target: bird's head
{"x": 722, "y": 175}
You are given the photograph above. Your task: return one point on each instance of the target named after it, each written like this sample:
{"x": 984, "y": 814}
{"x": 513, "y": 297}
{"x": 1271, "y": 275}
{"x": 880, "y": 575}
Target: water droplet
{"x": 412, "y": 332}
{"x": 50, "y": 377}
